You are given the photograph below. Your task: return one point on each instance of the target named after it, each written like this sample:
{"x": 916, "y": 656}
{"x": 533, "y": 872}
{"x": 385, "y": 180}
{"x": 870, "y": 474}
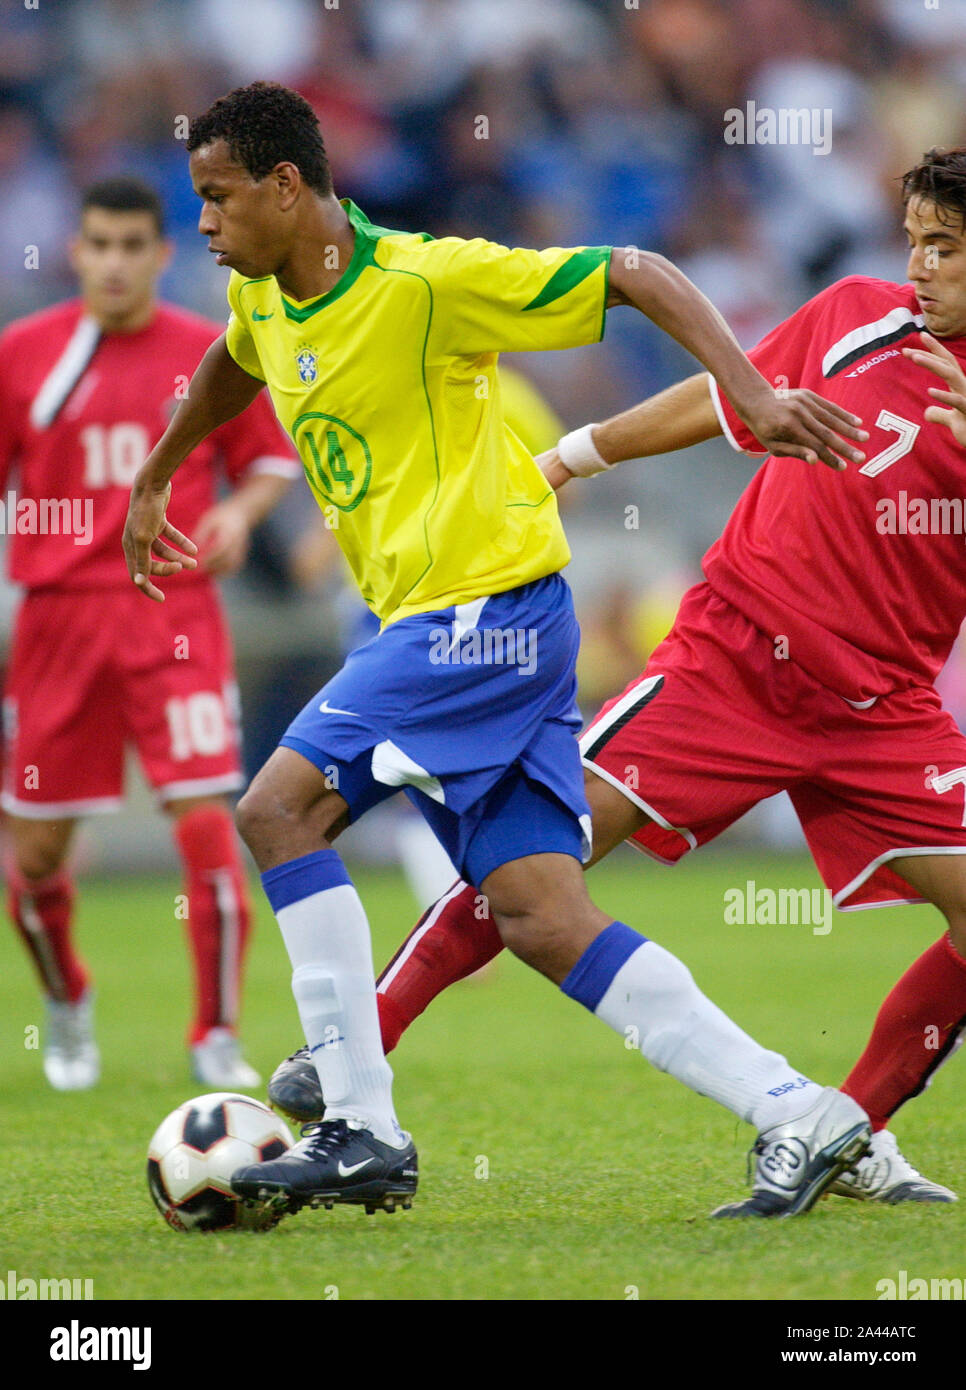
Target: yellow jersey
{"x": 526, "y": 413}
{"x": 388, "y": 385}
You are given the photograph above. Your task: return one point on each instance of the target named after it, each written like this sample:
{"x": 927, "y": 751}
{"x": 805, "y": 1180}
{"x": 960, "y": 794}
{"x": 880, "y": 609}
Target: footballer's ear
{"x": 288, "y": 183}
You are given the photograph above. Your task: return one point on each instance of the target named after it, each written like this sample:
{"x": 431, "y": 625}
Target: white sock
{"x": 652, "y": 999}
{"x": 326, "y": 934}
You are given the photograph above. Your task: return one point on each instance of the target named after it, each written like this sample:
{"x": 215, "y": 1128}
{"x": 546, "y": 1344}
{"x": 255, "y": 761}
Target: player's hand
{"x": 223, "y": 535}
{"x": 149, "y": 540}
{"x": 800, "y": 424}
{"x": 555, "y": 472}
{"x": 940, "y": 360}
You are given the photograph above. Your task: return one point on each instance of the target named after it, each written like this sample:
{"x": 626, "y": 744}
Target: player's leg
{"x": 920, "y": 1024}
{"x": 180, "y": 711}
{"x": 886, "y": 825}
{"x": 218, "y": 924}
{"x": 644, "y": 993}
{"x": 289, "y": 818}
{"x": 59, "y": 705}
{"x": 456, "y": 936}
{"x": 40, "y": 899}
{"x": 661, "y": 739}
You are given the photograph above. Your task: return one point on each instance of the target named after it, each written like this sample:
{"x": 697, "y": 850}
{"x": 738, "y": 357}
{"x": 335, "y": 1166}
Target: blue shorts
{"x": 446, "y": 706}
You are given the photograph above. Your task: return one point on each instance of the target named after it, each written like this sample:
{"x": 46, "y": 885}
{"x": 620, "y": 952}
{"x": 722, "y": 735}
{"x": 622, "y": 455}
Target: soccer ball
{"x": 194, "y": 1153}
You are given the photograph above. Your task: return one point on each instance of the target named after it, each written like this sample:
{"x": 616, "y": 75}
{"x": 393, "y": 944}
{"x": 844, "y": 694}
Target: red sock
{"x": 219, "y": 914}
{"x": 450, "y": 941}
{"x": 917, "y": 1029}
{"x": 42, "y": 908}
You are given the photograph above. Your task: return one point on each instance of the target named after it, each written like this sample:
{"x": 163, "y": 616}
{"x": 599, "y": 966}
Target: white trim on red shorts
{"x": 200, "y": 786}
{"x": 59, "y": 810}
{"x": 916, "y": 851}
{"x": 643, "y": 805}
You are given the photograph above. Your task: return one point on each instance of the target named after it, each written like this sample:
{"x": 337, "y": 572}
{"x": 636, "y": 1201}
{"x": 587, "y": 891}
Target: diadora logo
{"x": 307, "y": 364}
{"x": 874, "y": 362}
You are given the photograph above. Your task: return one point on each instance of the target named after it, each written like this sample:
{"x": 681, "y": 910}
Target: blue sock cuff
{"x": 591, "y": 977}
{"x": 300, "y": 878}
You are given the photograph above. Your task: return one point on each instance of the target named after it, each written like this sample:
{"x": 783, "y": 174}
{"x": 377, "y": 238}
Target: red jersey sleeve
{"x": 780, "y": 357}
{"x": 254, "y": 442}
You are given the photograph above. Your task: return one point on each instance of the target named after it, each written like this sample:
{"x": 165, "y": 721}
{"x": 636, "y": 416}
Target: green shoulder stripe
{"x": 576, "y": 268}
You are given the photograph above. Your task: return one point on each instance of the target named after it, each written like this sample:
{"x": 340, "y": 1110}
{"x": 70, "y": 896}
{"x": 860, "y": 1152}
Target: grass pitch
{"x": 555, "y": 1164}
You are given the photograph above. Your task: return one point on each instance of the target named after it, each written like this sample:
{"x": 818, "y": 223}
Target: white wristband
{"x": 578, "y": 453}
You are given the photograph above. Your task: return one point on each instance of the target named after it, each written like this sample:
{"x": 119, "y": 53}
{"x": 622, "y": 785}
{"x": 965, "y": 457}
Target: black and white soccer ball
{"x": 194, "y": 1153}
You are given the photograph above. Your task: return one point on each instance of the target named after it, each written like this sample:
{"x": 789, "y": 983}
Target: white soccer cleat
{"x": 885, "y": 1176}
{"x": 799, "y": 1160}
{"x": 71, "y": 1059}
{"x": 217, "y": 1062}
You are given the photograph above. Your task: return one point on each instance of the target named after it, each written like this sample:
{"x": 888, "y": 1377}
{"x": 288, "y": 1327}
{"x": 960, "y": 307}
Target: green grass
{"x": 601, "y": 1171}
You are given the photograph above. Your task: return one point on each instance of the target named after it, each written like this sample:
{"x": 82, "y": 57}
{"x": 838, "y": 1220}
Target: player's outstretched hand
{"x": 149, "y": 540}
{"x": 800, "y": 424}
{"x": 937, "y": 358}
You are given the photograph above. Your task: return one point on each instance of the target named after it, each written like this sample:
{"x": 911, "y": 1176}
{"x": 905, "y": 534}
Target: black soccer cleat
{"x": 295, "y": 1089}
{"x": 334, "y": 1161}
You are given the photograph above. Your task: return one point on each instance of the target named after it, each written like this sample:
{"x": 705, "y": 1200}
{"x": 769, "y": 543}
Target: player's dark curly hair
{"x": 264, "y": 124}
{"x": 124, "y": 194}
{"x": 941, "y": 177}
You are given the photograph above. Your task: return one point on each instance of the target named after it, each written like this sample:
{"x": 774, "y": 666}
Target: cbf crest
{"x": 307, "y": 363}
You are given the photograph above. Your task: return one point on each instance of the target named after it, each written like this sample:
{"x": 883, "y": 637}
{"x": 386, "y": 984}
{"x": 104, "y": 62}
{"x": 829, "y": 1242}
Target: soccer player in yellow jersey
{"x": 379, "y": 349}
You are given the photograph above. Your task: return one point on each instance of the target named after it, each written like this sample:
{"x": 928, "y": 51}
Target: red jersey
{"x": 79, "y": 412}
{"x": 863, "y": 572}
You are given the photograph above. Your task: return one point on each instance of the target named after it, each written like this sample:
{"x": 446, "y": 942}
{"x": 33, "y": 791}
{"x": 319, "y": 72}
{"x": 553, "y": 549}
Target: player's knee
{"x": 269, "y": 817}
{"x": 528, "y": 938}
{"x": 543, "y": 938}
{"x": 39, "y": 857}
{"x": 254, "y": 818}
{"x": 526, "y": 934}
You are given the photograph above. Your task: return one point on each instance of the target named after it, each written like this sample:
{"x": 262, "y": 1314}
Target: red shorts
{"x": 717, "y": 722}
{"x": 91, "y": 672}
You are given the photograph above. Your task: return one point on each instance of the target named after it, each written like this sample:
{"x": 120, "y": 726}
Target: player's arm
{"x": 676, "y": 418}
{"x": 218, "y": 391}
{"x": 797, "y": 425}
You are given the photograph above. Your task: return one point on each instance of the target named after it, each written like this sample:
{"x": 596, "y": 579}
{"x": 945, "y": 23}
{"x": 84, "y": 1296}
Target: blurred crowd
{"x": 550, "y": 122}
{"x": 534, "y": 122}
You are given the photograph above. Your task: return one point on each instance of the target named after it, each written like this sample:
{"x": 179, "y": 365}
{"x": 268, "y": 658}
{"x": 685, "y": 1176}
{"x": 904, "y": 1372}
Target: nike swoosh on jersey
{"x": 345, "y": 1172}
{"x": 326, "y": 708}
{"x": 260, "y": 318}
